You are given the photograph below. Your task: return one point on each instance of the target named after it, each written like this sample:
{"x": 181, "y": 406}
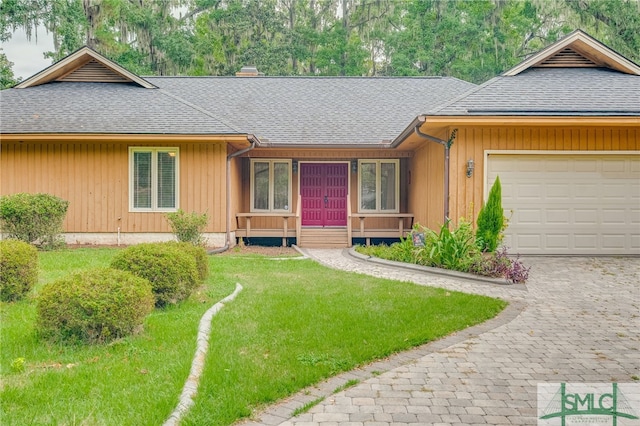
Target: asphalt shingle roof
{"x": 316, "y": 110}
{"x": 552, "y": 92}
{"x": 309, "y": 110}
{"x": 286, "y": 110}
{"x": 101, "y": 108}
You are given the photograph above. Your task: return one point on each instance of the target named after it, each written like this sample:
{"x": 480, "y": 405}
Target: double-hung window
{"x": 270, "y": 185}
{"x": 153, "y": 179}
{"x": 378, "y": 186}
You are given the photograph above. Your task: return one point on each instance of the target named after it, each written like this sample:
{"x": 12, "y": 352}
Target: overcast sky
{"x": 27, "y": 56}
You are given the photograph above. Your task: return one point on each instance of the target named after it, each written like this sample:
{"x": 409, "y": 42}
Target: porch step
{"x": 323, "y": 238}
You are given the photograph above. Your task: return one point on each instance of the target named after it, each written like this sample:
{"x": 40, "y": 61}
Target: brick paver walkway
{"x": 578, "y": 320}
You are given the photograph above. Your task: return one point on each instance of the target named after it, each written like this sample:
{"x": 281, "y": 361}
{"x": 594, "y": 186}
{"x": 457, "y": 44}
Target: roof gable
{"x": 577, "y": 50}
{"x": 85, "y": 65}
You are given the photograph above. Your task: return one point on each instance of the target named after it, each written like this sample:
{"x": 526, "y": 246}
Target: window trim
{"x": 271, "y": 162}
{"x": 378, "y": 163}
{"x": 154, "y": 178}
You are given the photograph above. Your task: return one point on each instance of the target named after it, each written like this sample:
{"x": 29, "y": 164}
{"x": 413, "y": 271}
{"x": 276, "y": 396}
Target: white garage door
{"x": 569, "y": 204}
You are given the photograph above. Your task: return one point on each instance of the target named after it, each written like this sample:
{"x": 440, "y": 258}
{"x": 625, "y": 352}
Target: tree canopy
{"x": 472, "y": 39}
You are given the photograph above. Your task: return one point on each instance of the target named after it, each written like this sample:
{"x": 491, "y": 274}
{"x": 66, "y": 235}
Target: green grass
{"x": 294, "y": 324}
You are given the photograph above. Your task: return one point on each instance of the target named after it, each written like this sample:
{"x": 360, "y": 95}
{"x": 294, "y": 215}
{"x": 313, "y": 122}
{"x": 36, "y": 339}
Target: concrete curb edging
{"x": 202, "y": 345}
{"x": 436, "y": 271}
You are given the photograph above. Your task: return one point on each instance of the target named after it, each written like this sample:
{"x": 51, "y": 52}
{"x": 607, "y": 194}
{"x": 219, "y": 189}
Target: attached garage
{"x": 569, "y": 203}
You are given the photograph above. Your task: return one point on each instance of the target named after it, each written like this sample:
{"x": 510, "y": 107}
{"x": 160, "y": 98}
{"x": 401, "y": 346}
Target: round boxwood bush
{"x": 93, "y": 306}
{"x": 34, "y": 218}
{"x": 18, "y": 269}
{"x": 199, "y": 254}
{"x": 171, "y": 271}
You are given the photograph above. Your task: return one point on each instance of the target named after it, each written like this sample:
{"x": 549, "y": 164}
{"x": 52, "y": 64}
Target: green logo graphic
{"x": 594, "y": 404}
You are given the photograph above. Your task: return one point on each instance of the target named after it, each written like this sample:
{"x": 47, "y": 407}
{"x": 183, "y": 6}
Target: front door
{"x": 324, "y": 191}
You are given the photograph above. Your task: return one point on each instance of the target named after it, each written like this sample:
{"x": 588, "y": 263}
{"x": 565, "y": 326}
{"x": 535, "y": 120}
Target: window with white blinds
{"x": 153, "y": 179}
{"x": 270, "y": 185}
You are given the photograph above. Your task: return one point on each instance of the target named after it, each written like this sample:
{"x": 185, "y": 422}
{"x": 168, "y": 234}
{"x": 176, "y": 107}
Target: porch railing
{"x": 361, "y": 232}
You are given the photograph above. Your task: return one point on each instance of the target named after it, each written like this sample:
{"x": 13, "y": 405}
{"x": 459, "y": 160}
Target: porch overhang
{"x": 236, "y": 141}
{"x": 323, "y": 154}
{"x": 439, "y": 125}
{"x": 382, "y": 145}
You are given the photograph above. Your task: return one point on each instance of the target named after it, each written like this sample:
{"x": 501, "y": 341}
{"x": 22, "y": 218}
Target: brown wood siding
{"x": 467, "y": 194}
{"x": 94, "y": 178}
{"x": 426, "y": 186}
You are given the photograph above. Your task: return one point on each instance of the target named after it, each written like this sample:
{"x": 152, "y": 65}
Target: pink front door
{"x": 324, "y": 190}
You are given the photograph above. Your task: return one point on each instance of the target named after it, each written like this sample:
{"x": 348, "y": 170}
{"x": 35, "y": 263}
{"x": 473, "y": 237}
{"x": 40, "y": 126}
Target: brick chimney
{"x": 249, "y": 71}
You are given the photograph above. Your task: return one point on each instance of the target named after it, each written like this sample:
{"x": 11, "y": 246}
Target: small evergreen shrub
{"x": 18, "y": 269}
{"x": 93, "y": 306}
{"x": 172, "y": 271}
{"x": 33, "y": 218}
{"x": 188, "y": 227}
{"x": 491, "y": 221}
{"x": 199, "y": 255}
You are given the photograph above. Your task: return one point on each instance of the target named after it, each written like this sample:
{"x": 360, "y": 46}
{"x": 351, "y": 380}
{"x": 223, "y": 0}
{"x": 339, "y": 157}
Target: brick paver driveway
{"x": 578, "y": 320}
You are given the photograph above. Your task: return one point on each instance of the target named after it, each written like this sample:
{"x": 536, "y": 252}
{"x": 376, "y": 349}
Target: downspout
{"x": 447, "y": 146}
{"x": 253, "y": 141}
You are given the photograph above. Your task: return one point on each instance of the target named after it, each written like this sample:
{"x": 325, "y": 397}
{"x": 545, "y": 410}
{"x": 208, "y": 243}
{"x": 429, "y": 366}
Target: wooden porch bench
{"x": 383, "y": 232}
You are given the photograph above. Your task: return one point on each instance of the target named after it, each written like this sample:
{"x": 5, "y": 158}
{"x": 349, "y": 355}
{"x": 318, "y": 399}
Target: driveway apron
{"x": 578, "y": 320}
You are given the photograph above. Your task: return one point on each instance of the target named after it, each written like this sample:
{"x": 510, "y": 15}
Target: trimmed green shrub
{"x": 93, "y": 306}
{"x": 490, "y": 221}
{"x": 172, "y": 272}
{"x": 199, "y": 255}
{"x": 18, "y": 269}
{"x": 33, "y": 218}
{"x": 188, "y": 227}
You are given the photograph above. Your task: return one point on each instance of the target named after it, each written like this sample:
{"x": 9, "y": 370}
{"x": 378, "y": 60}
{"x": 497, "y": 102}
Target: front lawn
{"x": 295, "y": 323}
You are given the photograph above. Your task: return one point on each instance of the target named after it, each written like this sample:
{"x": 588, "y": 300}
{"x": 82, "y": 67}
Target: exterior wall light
{"x": 354, "y": 166}
{"x": 470, "y": 167}
{"x": 294, "y": 166}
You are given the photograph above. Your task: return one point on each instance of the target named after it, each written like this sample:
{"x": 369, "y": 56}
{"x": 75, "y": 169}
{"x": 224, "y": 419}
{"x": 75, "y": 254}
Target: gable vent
{"x": 567, "y": 58}
{"x": 94, "y": 72}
